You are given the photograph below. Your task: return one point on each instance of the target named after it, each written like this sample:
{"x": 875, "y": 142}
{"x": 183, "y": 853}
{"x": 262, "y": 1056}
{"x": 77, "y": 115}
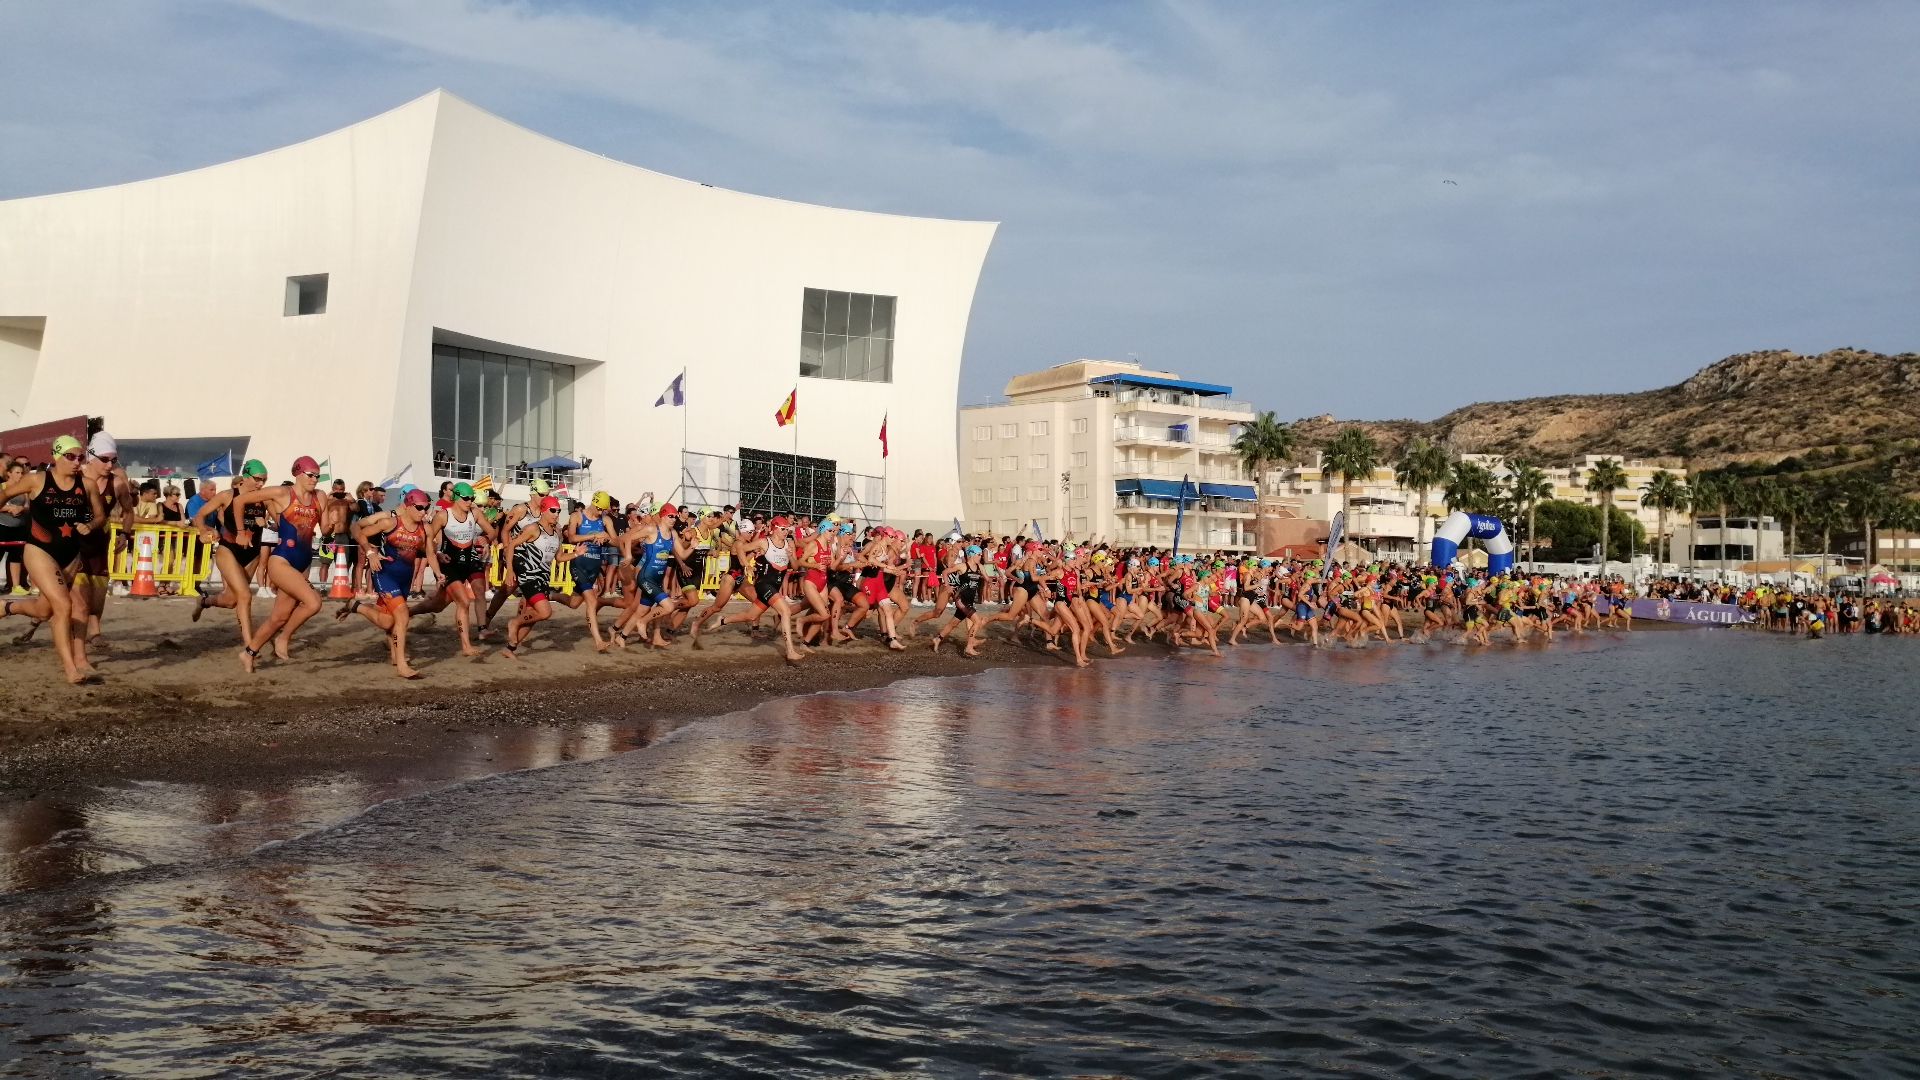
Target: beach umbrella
{"x": 555, "y": 462}
{"x": 1883, "y": 578}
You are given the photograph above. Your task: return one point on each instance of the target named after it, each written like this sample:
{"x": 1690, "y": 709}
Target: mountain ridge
{"x": 1755, "y": 409}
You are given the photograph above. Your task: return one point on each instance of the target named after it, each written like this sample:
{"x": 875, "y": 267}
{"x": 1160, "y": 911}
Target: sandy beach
{"x": 174, "y": 703}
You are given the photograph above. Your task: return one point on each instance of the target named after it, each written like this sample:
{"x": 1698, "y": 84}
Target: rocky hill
{"x": 1753, "y": 408}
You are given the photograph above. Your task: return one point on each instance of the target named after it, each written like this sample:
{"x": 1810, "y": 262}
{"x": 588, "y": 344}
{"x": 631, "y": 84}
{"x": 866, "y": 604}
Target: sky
{"x": 1247, "y": 193}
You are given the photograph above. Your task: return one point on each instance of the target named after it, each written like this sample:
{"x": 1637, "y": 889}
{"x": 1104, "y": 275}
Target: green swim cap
{"x": 463, "y": 490}
{"x": 253, "y": 467}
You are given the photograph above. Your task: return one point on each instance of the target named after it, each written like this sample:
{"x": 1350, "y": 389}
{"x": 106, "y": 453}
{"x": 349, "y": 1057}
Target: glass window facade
{"x": 846, "y": 336}
{"x": 492, "y": 411}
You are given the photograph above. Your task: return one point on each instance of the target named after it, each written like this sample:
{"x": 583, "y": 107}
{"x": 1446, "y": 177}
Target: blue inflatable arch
{"x": 1483, "y": 527}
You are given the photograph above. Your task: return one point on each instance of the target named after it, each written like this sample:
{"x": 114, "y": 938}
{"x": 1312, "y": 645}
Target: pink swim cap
{"x": 304, "y": 464}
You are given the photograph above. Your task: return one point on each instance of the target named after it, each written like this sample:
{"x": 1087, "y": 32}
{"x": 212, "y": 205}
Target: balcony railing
{"x": 1176, "y": 469}
{"x": 1190, "y": 539}
{"x": 1147, "y": 400}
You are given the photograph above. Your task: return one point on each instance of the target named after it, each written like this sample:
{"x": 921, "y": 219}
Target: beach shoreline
{"x": 175, "y": 707}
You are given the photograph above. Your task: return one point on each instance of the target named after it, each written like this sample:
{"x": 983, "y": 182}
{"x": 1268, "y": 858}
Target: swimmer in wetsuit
{"x": 457, "y": 540}
{"x": 301, "y": 514}
{"x": 235, "y": 540}
{"x": 64, "y": 509}
{"x": 402, "y": 547}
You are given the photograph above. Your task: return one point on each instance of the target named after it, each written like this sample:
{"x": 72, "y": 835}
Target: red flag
{"x": 883, "y": 434}
{"x": 786, "y": 412}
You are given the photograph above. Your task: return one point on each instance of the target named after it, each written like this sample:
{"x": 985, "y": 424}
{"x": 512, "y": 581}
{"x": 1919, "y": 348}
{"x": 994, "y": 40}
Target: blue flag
{"x": 676, "y": 392}
{"x": 215, "y": 466}
{"x": 1038, "y": 534}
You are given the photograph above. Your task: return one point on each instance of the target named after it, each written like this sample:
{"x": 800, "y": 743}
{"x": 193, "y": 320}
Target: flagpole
{"x": 684, "y": 407}
{"x": 797, "y": 504}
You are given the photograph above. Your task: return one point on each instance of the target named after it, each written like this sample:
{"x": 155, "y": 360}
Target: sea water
{"x": 1672, "y": 854}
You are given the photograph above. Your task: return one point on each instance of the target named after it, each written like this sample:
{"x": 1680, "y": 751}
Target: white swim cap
{"x": 102, "y": 445}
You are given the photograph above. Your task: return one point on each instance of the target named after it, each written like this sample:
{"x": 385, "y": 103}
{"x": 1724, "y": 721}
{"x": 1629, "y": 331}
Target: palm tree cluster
{"x": 1862, "y": 501}
{"x": 1261, "y": 445}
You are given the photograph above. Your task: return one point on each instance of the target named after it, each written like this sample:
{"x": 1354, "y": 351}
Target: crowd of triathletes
{"x": 645, "y": 566}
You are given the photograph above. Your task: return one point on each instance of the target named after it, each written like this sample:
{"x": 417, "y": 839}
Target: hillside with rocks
{"x": 1755, "y": 408}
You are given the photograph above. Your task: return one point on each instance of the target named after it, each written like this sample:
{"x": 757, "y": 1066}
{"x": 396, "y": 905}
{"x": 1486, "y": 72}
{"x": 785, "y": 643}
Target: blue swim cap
{"x": 972, "y": 550}
{"x": 1153, "y": 562}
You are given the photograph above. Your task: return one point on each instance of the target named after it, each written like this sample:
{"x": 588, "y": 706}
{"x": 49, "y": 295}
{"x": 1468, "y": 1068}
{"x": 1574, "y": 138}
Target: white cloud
{"x": 1234, "y": 190}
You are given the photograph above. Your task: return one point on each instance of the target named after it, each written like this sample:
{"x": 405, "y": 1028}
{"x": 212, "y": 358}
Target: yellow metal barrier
{"x": 178, "y": 556}
{"x": 561, "y": 577}
{"x": 717, "y": 565}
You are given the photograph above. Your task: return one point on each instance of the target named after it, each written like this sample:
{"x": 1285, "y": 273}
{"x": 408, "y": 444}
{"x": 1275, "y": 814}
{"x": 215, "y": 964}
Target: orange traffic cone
{"x": 342, "y": 587}
{"x": 143, "y": 583}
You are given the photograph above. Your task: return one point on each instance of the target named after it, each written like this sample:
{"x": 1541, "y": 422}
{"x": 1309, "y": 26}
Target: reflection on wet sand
{"x": 1320, "y": 864}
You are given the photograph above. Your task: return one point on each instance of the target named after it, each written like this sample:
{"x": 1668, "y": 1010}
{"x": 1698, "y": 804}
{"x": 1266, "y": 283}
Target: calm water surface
{"x": 1649, "y": 855}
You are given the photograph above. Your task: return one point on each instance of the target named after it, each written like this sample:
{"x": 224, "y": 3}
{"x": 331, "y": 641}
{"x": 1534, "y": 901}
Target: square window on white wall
{"x": 1009, "y": 495}
{"x": 1009, "y": 463}
{"x": 982, "y": 495}
{"x": 1038, "y": 492}
{"x": 1080, "y": 459}
{"x": 1009, "y": 431}
{"x": 1079, "y": 426}
{"x": 982, "y": 432}
{"x": 1037, "y": 427}
{"x": 1079, "y": 491}
{"x": 983, "y": 464}
{"x": 1080, "y": 527}
{"x": 1036, "y": 461}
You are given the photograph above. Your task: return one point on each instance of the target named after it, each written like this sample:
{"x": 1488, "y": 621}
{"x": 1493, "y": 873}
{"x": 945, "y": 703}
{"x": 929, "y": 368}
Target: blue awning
{"x": 1243, "y": 492}
{"x": 1163, "y": 384}
{"x": 1156, "y": 489}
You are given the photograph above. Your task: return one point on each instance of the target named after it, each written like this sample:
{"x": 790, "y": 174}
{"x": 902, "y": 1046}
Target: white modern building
{"x": 438, "y": 286}
{"x": 1096, "y": 449}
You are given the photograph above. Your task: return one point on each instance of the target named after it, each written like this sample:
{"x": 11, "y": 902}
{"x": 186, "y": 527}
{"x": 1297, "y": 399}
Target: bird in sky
{"x": 1450, "y": 182}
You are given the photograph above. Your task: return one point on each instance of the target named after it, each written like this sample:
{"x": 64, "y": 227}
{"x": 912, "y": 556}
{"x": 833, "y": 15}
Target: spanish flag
{"x": 786, "y": 413}
{"x": 483, "y": 485}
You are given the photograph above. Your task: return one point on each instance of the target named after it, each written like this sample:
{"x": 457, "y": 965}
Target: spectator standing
{"x": 13, "y": 531}
{"x": 147, "y": 510}
{"x": 202, "y": 491}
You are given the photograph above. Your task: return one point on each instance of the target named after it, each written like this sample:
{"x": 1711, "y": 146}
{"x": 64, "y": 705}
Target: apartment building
{"x": 1096, "y": 449}
{"x": 1570, "y": 483}
{"x": 1384, "y": 516}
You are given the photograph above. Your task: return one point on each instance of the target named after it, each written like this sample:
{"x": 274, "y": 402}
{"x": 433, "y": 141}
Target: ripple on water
{"x": 1605, "y": 859}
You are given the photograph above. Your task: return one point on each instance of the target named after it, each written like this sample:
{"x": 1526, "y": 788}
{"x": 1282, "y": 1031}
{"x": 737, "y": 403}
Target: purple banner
{"x": 1686, "y": 611}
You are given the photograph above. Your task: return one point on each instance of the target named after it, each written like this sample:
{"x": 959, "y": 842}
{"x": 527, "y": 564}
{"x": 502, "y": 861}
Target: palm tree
{"x": 1664, "y": 491}
{"x": 1794, "y": 501}
{"x": 1826, "y": 514}
{"x": 1606, "y": 477}
{"x": 1527, "y": 484}
{"x": 1471, "y": 488}
{"x": 1715, "y": 491}
{"x": 1705, "y": 494}
{"x": 1264, "y": 442}
{"x": 1761, "y": 498}
{"x": 1354, "y": 455}
{"x": 1866, "y": 499}
{"x": 1422, "y": 465}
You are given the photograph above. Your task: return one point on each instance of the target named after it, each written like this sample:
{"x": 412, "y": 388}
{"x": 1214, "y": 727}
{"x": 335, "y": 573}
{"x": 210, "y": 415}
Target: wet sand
{"x": 174, "y": 703}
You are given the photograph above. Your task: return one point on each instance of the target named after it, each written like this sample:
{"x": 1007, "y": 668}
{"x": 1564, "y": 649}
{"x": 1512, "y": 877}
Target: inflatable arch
{"x": 1483, "y": 527}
